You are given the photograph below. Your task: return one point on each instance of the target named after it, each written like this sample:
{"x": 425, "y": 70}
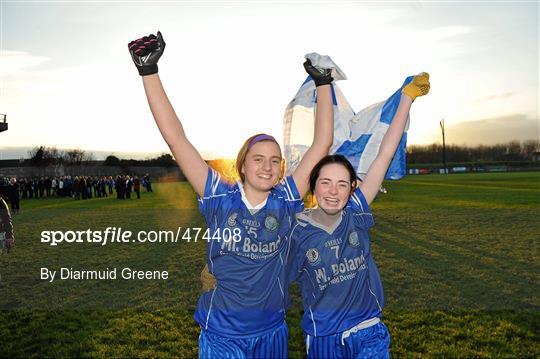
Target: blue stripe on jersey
{"x": 338, "y": 277}
{"x": 269, "y": 345}
{"x": 246, "y": 255}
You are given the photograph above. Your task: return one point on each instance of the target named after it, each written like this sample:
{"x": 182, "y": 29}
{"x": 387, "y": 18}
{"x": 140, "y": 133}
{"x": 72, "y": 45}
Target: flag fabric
{"x": 357, "y": 136}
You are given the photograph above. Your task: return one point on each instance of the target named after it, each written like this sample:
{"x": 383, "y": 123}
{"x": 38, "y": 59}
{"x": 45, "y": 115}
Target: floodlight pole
{"x": 443, "y": 146}
{"x": 3, "y": 123}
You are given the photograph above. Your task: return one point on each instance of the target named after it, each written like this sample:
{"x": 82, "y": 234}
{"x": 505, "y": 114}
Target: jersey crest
{"x": 313, "y": 256}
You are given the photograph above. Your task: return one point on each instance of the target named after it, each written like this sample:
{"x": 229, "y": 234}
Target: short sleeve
{"x": 287, "y": 189}
{"x": 360, "y": 209}
{"x": 215, "y": 192}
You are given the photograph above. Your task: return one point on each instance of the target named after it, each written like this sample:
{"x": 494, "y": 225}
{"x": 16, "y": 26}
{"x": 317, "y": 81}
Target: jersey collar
{"x": 307, "y": 216}
{"x": 252, "y": 209}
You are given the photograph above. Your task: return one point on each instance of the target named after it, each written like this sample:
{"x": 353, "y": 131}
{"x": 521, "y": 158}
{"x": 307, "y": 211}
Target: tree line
{"x": 508, "y": 152}
{"x": 42, "y": 156}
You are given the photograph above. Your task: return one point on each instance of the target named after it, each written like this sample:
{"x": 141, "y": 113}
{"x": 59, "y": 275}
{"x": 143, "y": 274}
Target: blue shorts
{"x": 272, "y": 344}
{"x": 372, "y": 342}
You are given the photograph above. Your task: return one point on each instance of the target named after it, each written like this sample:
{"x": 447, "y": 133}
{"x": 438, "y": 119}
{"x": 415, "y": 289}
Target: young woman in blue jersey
{"x": 249, "y": 221}
{"x": 330, "y": 254}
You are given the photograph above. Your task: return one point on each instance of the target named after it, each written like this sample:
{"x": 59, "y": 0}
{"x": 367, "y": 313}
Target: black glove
{"x": 146, "y": 52}
{"x": 320, "y": 76}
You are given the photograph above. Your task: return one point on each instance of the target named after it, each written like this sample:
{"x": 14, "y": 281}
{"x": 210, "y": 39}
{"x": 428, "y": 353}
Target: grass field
{"x": 458, "y": 255}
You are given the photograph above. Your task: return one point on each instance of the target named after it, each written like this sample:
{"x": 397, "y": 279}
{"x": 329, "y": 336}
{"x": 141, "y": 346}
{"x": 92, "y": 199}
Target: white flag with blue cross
{"x": 357, "y": 136}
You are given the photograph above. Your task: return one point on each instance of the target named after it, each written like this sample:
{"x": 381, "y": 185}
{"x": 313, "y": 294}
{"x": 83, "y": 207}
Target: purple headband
{"x": 260, "y": 138}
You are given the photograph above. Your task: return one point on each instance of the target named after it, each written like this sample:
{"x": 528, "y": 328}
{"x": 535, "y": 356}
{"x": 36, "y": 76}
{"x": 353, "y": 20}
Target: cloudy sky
{"x": 230, "y": 68}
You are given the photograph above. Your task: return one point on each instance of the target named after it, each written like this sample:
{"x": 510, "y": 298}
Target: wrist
{"x": 148, "y": 70}
{"x": 323, "y": 87}
{"x": 407, "y": 97}
{"x": 322, "y": 84}
{"x": 323, "y": 81}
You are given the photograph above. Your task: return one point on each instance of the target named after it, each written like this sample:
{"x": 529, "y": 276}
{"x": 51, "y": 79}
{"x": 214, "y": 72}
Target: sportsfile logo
{"x": 120, "y": 235}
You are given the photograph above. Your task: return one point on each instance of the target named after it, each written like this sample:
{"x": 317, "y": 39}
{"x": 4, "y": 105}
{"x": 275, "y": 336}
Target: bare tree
{"x": 42, "y": 156}
{"x": 76, "y": 157}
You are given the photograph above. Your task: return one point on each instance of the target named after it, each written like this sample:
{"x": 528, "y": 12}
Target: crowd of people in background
{"x": 76, "y": 187}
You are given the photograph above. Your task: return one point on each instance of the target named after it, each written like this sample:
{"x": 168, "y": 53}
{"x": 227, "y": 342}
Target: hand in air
{"x": 419, "y": 86}
{"x": 146, "y": 52}
{"x": 320, "y": 76}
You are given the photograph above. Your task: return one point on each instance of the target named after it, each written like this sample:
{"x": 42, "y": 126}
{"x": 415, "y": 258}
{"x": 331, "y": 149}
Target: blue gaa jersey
{"x": 338, "y": 278}
{"x": 246, "y": 254}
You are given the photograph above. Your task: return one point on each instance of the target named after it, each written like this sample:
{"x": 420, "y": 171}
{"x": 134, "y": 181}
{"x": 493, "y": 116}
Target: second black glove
{"x": 320, "y": 76}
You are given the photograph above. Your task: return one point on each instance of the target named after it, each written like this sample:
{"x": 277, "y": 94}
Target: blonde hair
{"x": 242, "y": 154}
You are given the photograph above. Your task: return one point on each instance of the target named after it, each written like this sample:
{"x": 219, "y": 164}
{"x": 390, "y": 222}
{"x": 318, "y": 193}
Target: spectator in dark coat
{"x": 129, "y": 187}
{"x": 137, "y": 186}
{"x": 13, "y": 195}
{"x": 48, "y": 186}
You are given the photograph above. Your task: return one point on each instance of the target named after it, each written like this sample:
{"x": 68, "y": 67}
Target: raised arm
{"x": 324, "y": 128}
{"x": 145, "y": 53}
{"x": 373, "y": 180}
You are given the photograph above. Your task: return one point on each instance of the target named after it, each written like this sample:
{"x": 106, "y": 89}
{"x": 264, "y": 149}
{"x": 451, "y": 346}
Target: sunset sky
{"x": 231, "y": 68}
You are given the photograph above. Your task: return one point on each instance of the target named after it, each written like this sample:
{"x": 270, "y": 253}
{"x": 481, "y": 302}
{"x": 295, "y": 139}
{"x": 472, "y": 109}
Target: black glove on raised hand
{"x": 320, "y": 76}
{"x": 146, "y": 52}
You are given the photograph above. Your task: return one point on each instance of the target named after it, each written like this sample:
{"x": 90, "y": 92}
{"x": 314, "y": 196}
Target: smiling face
{"x": 333, "y": 188}
{"x": 262, "y": 166}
